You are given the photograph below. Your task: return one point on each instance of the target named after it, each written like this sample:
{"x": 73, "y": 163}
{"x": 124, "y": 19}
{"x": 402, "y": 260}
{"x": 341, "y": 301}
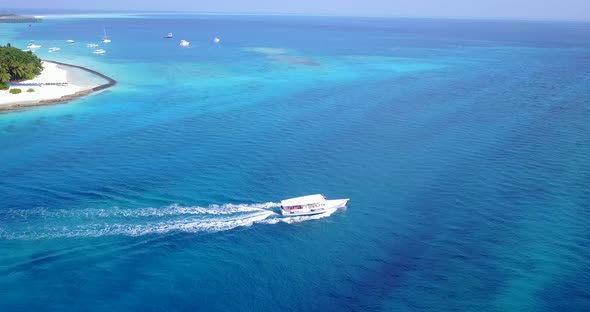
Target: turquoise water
{"x": 463, "y": 146}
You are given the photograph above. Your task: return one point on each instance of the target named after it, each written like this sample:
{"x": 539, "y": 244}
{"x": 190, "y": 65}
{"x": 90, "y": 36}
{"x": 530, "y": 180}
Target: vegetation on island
{"x": 15, "y": 91}
{"x": 13, "y": 18}
{"x": 18, "y": 65}
{"x": 4, "y": 86}
{"x": 30, "y": 90}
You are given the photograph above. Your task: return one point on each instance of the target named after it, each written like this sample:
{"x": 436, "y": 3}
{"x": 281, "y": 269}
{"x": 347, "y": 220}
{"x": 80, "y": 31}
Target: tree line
{"x": 18, "y": 65}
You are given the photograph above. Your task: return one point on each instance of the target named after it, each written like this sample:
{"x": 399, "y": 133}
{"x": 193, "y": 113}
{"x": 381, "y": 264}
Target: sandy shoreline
{"x": 55, "y": 72}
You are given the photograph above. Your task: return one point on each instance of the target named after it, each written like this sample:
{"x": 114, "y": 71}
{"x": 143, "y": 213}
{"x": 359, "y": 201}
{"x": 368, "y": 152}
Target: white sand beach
{"x": 78, "y": 82}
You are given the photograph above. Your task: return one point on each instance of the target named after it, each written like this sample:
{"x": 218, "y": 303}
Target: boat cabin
{"x": 309, "y": 203}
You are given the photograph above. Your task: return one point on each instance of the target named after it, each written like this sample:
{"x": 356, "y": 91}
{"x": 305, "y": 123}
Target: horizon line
{"x": 220, "y": 13}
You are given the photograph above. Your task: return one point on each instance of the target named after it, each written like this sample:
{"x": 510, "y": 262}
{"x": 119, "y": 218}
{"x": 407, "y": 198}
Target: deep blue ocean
{"x": 464, "y": 147}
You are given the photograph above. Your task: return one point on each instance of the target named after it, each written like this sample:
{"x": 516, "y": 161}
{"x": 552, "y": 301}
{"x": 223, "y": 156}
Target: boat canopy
{"x": 303, "y": 200}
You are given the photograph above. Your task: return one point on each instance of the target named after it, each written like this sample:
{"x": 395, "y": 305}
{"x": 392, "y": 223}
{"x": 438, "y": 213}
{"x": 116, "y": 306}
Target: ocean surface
{"x": 464, "y": 147}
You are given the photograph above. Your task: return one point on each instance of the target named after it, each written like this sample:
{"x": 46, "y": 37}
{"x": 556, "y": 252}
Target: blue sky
{"x": 520, "y": 9}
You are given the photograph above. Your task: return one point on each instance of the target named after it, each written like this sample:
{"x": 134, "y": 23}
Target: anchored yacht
{"x": 31, "y": 46}
{"x": 310, "y": 205}
{"x": 184, "y": 43}
{"x": 105, "y": 39}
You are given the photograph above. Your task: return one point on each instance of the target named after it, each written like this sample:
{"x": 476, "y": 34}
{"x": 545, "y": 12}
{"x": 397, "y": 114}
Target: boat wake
{"x": 41, "y": 223}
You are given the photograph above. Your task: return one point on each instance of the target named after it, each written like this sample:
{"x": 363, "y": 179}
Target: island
{"x": 26, "y": 80}
{"x": 13, "y": 18}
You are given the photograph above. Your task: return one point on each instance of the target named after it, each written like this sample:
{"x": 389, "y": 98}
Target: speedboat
{"x": 99, "y": 51}
{"x": 184, "y": 43}
{"x": 92, "y": 45}
{"x": 168, "y": 36}
{"x": 53, "y": 49}
{"x": 33, "y": 46}
{"x": 310, "y": 205}
{"x": 216, "y": 40}
{"x": 70, "y": 41}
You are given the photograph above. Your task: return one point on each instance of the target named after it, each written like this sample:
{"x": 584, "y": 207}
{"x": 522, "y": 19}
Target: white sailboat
{"x": 105, "y": 39}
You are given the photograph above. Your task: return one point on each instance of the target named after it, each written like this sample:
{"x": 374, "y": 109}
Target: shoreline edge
{"x": 66, "y": 98}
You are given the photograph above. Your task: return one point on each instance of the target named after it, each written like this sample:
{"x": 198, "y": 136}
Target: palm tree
{"x": 16, "y": 64}
{"x": 19, "y": 70}
{"x": 4, "y": 75}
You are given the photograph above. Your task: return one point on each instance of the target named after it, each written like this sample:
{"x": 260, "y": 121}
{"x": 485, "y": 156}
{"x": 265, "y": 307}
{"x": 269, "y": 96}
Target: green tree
{"x": 18, "y": 65}
{"x": 4, "y": 75}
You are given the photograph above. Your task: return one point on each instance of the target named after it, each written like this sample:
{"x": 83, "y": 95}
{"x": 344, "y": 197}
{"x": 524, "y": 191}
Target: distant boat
{"x": 53, "y": 49}
{"x": 216, "y": 40}
{"x": 168, "y": 36}
{"x": 184, "y": 43}
{"x": 33, "y": 46}
{"x": 105, "y": 39}
{"x": 70, "y": 41}
{"x": 99, "y": 51}
{"x": 92, "y": 45}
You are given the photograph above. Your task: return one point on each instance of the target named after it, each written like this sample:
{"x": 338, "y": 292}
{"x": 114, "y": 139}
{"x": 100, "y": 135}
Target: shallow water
{"x": 84, "y": 79}
{"x": 462, "y": 145}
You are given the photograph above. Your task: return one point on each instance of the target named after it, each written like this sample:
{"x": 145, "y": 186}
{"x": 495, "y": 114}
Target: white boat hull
{"x": 331, "y": 205}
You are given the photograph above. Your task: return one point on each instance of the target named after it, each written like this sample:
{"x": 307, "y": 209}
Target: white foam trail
{"x": 291, "y": 220}
{"x": 172, "y": 210}
{"x": 62, "y": 223}
{"x": 190, "y": 226}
